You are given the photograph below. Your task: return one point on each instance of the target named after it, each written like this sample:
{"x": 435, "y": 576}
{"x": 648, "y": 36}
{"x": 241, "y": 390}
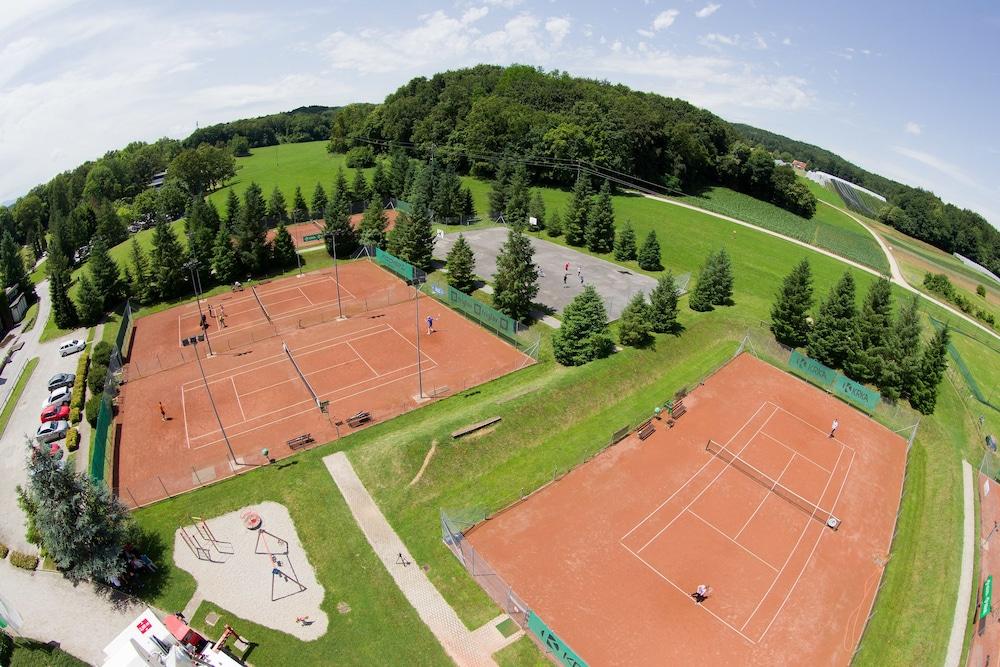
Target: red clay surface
{"x": 367, "y": 362}
{"x": 300, "y": 230}
{"x": 984, "y": 648}
{"x": 609, "y": 555}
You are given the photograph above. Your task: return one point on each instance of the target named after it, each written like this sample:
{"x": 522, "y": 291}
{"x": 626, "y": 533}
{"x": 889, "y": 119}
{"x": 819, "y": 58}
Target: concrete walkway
{"x": 471, "y": 649}
{"x": 961, "y": 623}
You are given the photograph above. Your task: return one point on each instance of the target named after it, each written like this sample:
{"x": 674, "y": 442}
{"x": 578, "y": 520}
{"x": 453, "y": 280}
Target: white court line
{"x": 363, "y": 360}
{"x": 337, "y": 282}
{"x": 187, "y": 436}
{"x": 797, "y": 453}
{"x": 412, "y": 344}
{"x": 695, "y": 474}
{"x": 766, "y": 495}
{"x": 716, "y": 529}
{"x": 277, "y": 384}
{"x": 826, "y": 434}
{"x": 238, "y": 402}
{"x": 707, "y": 486}
{"x": 305, "y": 295}
{"x": 818, "y": 540}
{"x": 688, "y": 595}
{"x": 791, "y": 553}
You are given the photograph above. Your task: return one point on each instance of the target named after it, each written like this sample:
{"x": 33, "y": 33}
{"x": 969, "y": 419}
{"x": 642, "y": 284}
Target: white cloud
{"x": 707, "y": 10}
{"x": 714, "y": 39}
{"x": 506, "y": 4}
{"x": 558, "y": 28}
{"x": 616, "y": 46}
{"x": 588, "y": 30}
{"x": 759, "y": 42}
{"x": 645, "y": 33}
{"x": 912, "y": 128}
{"x": 938, "y": 164}
{"x": 665, "y": 19}
{"x": 787, "y": 41}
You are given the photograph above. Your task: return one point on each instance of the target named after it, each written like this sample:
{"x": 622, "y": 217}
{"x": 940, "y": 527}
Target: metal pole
{"x": 420, "y": 376}
{"x": 298, "y": 260}
{"x": 214, "y": 409}
{"x": 336, "y": 272}
{"x": 201, "y": 315}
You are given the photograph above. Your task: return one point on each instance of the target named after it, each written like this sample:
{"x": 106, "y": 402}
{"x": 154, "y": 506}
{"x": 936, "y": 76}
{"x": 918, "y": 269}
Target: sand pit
{"x": 241, "y": 579}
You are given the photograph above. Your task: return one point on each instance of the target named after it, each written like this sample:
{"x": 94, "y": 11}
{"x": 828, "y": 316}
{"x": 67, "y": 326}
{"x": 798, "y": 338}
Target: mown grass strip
{"x": 15, "y": 394}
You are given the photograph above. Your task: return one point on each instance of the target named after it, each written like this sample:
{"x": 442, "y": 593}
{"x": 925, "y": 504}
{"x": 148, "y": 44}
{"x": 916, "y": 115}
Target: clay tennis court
{"x": 609, "y": 555}
{"x": 300, "y": 230}
{"x": 267, "y": 396}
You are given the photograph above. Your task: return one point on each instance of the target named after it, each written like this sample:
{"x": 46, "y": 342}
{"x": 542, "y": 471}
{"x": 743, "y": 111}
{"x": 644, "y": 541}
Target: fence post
{"x": 164, "y": 487}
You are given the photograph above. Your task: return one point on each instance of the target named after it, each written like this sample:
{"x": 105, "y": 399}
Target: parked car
{"x": 50, "y": 431}
{"x": 55, "y": 413}
{"x": 72, "y": 347}
{"x": 61, "y": 380}
{"x": 58, "y": 397}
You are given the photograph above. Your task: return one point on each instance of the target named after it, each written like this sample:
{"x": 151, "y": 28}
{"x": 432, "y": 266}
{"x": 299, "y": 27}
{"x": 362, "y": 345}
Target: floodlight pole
{"x": 211, "y": 400}
{"x": 416, "y": 302}
{"x": 196, "y": 285}
{"x": 336, "y": 271}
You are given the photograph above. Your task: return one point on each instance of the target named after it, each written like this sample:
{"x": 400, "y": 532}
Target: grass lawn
{"x": 15, "y": 393}
{"x": 521, "y": 653}
{"x": 30, "y": 653}
{"x": 30, "y": 318}
{"x": 913, "y": 611}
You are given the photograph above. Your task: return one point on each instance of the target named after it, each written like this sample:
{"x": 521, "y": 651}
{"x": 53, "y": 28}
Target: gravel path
{"x": 960, "y": 624}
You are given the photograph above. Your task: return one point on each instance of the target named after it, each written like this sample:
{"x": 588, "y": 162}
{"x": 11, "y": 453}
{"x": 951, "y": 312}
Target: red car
{"x": 55, "y": 413}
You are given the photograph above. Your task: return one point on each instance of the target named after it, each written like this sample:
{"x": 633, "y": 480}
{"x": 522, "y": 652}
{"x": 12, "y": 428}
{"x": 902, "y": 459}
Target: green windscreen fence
{"x": 100, "y": 460}
{"x": 401, "y": 268}
{"x": 477, "y": 310}
{"x": 825, "y": 377}
{"x": 560, "y": 650}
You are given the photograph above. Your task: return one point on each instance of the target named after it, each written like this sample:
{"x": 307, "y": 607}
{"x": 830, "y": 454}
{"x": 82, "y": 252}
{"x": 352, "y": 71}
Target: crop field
{"x": 827, "y": 229}
{"x": 857, "y": 200}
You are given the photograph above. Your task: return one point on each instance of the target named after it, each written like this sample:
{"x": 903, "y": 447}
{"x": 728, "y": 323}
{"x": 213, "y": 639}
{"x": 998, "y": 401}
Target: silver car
{"x": 58, "y": 397}
{"x": 72, "y": 347}
{"x": 50, "y": 431}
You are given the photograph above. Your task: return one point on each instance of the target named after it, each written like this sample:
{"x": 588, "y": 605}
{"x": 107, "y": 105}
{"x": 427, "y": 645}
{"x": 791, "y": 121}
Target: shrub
{"x": 4, "y": 550}
{"x": 981, "y": 290}
{"x": 98, "y": 374}
{"x": 6, "y": 648}
{"x": 102, "y": 353}
{"x": 93, "y": 406}
{"x": 80, "y": 384}
{"x": 72, "y": 440}
{"x": 360, "y": 157}
{"x": 74, "y": 415}
{"x": 25, "y": 561}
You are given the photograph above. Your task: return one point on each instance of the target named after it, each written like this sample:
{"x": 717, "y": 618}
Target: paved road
{"x": 613, "y": 282}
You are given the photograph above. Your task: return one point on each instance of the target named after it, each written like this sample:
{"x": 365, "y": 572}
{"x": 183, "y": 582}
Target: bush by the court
{"x": 4, "y": 550}
{"x": 74, "y": 416}
{"x": 98, "y": 373}
{"x": 102, "y": 353}
{"x": 72, "y": 440}
{"x": 23, "y": 561}
{"x": 91, "y": 409}
{"x": 80, "y": 384}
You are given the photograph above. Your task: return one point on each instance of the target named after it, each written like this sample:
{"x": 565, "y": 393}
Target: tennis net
{"x": 259, "y": 303}
{"x": 823, "y": 516}
{"x": 298, "y": 370}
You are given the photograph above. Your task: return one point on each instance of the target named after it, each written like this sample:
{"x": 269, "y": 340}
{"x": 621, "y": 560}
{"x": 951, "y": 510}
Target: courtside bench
{"x": 301, "y": 441}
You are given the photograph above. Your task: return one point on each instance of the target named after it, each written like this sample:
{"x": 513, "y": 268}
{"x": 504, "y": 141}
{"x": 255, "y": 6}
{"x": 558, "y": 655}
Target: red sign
{"x": 144, "y": 625}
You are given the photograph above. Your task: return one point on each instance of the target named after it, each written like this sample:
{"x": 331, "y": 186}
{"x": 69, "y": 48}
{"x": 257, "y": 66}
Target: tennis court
{"x": 283, "y": 352}
{"x": 748, "y": 494}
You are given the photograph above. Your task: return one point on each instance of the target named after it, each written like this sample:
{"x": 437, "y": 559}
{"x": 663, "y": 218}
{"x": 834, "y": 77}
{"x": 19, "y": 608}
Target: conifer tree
{"x": 232, "y": 209}
{"x": 250, "y": 232}
{"x": 338, "y": 228}
{"x": 300, "y": 209}
{"x": 319, "y": 202}
{"x": 515, "y": 284}
{"x": 663, "y": 305}
{"x": 381, "y": 188}
{"x": 872, "y": 326}
{"x": 139, "y": 278}
{"x": 554, "y": 225}
{"x": 930, "y": 372}
{"x": 519, "y": 199}
{"x": 575, "y": 223}
{"x": 110, "y": 226}
{"x": 200, "y": 223}
{"x": 833, "y": 334}
{"x": 536, "y": 209}
{"x": 649, "y": 253}
{"x": 89, "y": 302}
{"x": 166, "y": 263}
{"x": 600, "y": 230}
{"x": 277, "y": 209}
{"x": 461, "y": 266}
{"x": 903, "y": 359}
{"x": 584, "y": 334}
{"x": 421, "y": 191}
{"x": 105, "y": 274}
{"x": 722, "y": 279}
{"x": 60, "y": 280}
{"x": 790, "y": 312}
{"x": 625, "y": 247}
{"x": 413, "y": 238}
{"x": 634, "y": 325}
{"x": 283, "y": 248}
{"x": 359, "y": 188}
{"x": 225, "y": 258}
{"x": 371, "y": 230}
{"x": 14, "y": 273}
{"x": 500, "y": 190}
{"x": 468, "y": 205}
{"x": 704, "y": 288}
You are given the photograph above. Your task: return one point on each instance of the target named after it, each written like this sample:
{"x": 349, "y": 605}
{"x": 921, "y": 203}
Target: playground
{"x": 286, "y": 373}
{"x": 746, "y": 493}
{"x": 261, "y": 574}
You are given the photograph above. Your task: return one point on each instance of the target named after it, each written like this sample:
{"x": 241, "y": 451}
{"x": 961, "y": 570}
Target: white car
{"x": 58, "y": 397}
{"x": 71, "y": 347}
{"x": 50, "y": 431}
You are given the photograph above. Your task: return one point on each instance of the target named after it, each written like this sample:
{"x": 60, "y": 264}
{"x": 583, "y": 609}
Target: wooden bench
{"x": 300, "y": 441}
{"x": 646, "y": 429}
{"x": 472, "y": 428}
{"x": 360, "y": 418}
{"x": 677, "y": 409}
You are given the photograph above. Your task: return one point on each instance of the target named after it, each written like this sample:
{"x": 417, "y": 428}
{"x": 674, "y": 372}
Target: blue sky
{"x": 910, "y": 92}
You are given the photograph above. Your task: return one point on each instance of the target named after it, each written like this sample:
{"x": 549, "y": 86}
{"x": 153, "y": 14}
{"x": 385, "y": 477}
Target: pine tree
{"x": 60, "y": 279}
{"x": 649, "y": 253}
{"x": 519, "y": 199}
{"x": 575, "y": 224}
{"x": 82, "y": 526}
{"x": 300, "y": 209}
{"x": 931, "y": 370}
{"x": 14, "y": 273}
{"x": 381, "y": 188}
{"x": 790, "y": 312}
{"x": 905, "y": 358}
{"x": 200, "y": 223}
{"x": 625, "y": 248}
{"x": 704, "y": 287}
{"x": 371, "y": 230}
{"x": 833, "y": 334}
{"x": 600, "y": 231}
{"x": 468, "y": 205}
{"x": 400, "y": 173}
{"x": 584, "y": 334}
{"x": 338, "y": 222}
{"x": 663, "y": 305}
{"x": 554, "y": 225}
{"x": 89, "y": 301}
{"x": 872, "y": 325}
{"x": 105, "y": 274}
{"x": 232, "y": 209}
{"x": 515, "y": 284}
{"x": 462, "y": 266}
{"x": 277, "y": 209}
{"x": 283, "y": 248}
{"x": 414, "y": 238}
{"x": 166, "y": 263}
{"x": 536, "y": 209}
{"x": 250, "y": 232}
{"x": 447, "y": 196}
{"x": 319, "y": 203}
{"x": 634, "y": 324}
{"x": 722, "y": 279}
{"x": 500, "y": 190}
{"x": 110, "y": 226}
{"x": 225, "y": 259}
{"x": 139, "y": 278}
{"x": 421, "y": 191}
{"x": 360, "y": 192}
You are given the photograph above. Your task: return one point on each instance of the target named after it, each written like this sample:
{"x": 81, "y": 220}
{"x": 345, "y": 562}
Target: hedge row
{"x": 25, "y": 561}
{"x": 4, "y": 550}
{"x": 79, "y": 386}
{"x": 72, "y": 439}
